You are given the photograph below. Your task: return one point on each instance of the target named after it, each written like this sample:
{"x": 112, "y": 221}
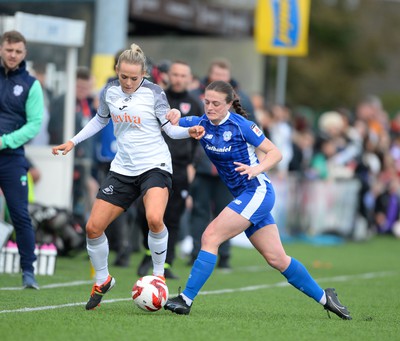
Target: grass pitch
{"x": 252, "y": 302}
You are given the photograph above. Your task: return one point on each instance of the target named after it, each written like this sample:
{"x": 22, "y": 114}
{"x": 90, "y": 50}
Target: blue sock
{"x": 298, "y": 276}
{"x": 201, "y": 271}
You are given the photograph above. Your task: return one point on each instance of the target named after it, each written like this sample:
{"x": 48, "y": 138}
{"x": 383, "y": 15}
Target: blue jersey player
{"x": 242, "y": 155}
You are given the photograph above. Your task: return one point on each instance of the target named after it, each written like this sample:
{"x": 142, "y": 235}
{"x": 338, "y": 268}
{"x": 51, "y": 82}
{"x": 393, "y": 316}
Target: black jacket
{"x": 182, "y": 151}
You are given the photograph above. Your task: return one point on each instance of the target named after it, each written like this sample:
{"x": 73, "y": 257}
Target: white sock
{"x": 187, "y": 300}
{"x": 98, "y": 252}
{"x": 323, "y": 299}
{"x": 158, "y": 247}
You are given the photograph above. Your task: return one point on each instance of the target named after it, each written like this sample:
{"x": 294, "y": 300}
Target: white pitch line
{"x": 369, "y": 275}
{"x": 50, "y": 307}
{"x": 76, "y": 283}
{"x": 52, "y": 286}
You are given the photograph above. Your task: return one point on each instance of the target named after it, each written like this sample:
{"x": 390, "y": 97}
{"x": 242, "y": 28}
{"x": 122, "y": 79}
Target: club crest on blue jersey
{"x": 227, "y": 135}
{"x": 256, "y": 130}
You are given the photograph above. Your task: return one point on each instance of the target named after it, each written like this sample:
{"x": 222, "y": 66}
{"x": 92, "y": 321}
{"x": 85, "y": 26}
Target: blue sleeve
{"x": 252, "y": 133}
{"x": 189, "y": 121}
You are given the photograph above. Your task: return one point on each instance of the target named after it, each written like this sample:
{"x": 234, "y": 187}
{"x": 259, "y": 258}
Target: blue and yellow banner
{"x": 281, "y": 27}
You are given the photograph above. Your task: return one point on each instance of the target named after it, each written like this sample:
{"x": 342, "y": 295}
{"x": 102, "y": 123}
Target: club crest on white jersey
{"x": 108, "y": 190}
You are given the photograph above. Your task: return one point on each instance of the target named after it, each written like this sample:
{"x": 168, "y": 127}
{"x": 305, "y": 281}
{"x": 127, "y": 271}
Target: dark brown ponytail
{"x": 238, "y": 108}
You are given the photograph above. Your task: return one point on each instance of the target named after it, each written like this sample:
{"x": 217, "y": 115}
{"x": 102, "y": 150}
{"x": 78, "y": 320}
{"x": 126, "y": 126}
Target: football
{"x": 150, "y": 293}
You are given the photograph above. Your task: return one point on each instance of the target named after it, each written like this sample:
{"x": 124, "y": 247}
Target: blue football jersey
{"x": 233, "y": 140}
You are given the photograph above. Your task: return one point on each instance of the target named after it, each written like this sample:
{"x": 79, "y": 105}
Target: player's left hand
{"x": 173, "y": 116}
{"x": 244, "y": 169}
{"x": 197, "y": 132}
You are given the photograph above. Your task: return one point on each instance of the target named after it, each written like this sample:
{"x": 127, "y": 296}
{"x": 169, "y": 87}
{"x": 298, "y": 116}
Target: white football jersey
{"x": 137, "y": 120}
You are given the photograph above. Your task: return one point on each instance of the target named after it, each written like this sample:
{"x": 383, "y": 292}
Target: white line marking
{"x": 55, "y": 285}
{"x": 50, "y": 307}
{"x": 76, "y": 283}
{"x": 370, "y": 275}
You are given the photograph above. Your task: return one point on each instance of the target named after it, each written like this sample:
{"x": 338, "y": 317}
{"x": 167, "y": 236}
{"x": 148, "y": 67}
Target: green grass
{"x": 366, "y": 276}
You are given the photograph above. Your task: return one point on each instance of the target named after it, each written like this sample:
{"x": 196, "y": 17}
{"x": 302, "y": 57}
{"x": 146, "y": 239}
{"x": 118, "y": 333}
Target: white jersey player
{"x": 142, "y": 166}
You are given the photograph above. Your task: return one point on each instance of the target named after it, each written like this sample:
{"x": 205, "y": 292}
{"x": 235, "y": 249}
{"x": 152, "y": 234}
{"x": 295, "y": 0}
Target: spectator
{"x": 20, "y": 120}
{"x": 367, "y": 171}
{"x": 159, "y": 73}
{"x": 395, "y": 150}
{"x": 370, "y": 110}
{"x": 281, "y": 134}
{"x": 220, "y": 70}
{"x": 342, "y": 158}
{"x": 395, "y": 124}
{"x": 320, "y": 163}
{"x": 262, "y": 113}
{"x": 303, "y": 151}
{"x": 387, "y": 208}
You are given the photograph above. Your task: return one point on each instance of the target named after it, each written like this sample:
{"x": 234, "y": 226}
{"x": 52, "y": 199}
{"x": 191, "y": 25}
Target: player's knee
{"x": 92, "y": 230}
{"x": 155, "y": 222}
{"x": 277, "y": 261}
{"x": 210, "y": 239}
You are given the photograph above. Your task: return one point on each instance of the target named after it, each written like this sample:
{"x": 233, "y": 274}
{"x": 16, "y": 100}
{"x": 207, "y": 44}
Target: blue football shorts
{"x": 255, "y": 204}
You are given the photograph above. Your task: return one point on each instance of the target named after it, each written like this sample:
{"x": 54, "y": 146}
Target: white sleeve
{"x": 176, "y": 132}
{"x": 92, "y": 127}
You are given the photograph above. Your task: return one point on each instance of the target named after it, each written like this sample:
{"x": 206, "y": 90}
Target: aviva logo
{"x": 125, "y": 118}
{"x": 286, "y": 30}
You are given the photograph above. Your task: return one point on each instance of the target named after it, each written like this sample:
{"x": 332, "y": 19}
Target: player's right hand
{"x": 197, "y": 132}
{"x": 65, "y": 148}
